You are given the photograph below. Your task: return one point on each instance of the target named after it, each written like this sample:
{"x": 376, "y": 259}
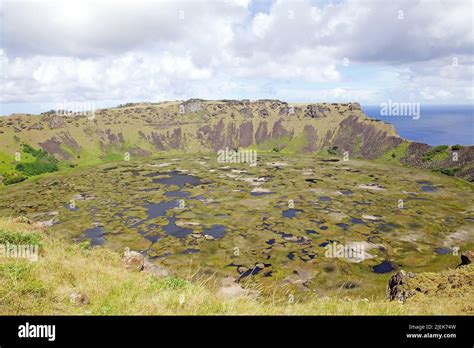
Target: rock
{"x": 36, "y": 126}
{"x": 260, "y": 190}
{"x": 371, "y": 217}
{"x": 56, "y": 122}
{"x": 242, "y": 269}
{"x": 44, "y": 224}
{"x": 395, "y": 290}
{"x": 155, "y": 270}
{"x": 133, "y": 260}
{"x": 208, "y": 237}
{"x": 79, "y": 298}
{"x": 193, "y": 105}
{"x": 374, "y": 187}
{"x": 467, "y": 257}
{"x": 230, "y": 288}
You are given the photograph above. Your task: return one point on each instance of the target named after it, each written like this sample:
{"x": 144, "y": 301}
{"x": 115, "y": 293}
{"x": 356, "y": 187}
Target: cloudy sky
{"x": 108, "y": 53}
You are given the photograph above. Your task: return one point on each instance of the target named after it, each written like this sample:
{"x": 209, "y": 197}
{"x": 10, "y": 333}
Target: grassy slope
{"x": 44, "y": 287}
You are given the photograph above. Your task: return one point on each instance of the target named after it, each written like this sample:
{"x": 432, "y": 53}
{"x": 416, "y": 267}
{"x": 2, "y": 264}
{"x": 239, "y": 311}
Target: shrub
{"x": 333, "y": 150}
{"x": 44, "y": 163}
{"x": 435, "y": 151}
{"x": 13, "y": 178}
{"x": 456, "y": 147}
{"x": 446, "y": 171}
{"x": 19, "y": 238}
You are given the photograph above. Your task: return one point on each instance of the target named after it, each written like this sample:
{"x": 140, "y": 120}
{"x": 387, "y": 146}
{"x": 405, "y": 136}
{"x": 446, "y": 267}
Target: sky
{"x": 108, "y": 53}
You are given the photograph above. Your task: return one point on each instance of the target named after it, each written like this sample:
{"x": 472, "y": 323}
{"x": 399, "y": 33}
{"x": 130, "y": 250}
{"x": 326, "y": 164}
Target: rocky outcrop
{"x": 53, "y": 146}
{"x": 397, "y": 286}
{"x": 404, "y": 285}
{"x": 363, "y": 139}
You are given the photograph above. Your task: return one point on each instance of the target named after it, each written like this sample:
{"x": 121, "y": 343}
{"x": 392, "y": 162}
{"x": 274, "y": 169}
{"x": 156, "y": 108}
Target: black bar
{"x": 259, "y": 330}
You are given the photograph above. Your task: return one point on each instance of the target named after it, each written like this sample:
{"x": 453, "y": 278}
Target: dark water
{"x": 443, "y": 251}
{"x": 177, "y": 194}
{"x": 428, "y": 188}
{"x": 290, "y": 213}
{"x": 342, "y": 225}
{"x": 176, "y": 178}
{"x": 330, "y": 241}
{"x": 174, "y": 230}
{"x": 217, "y": 231}
{"x": 250, "y": 272}
{"x": 96, "y": 235}
{"x": 440, "y": 124}
{"x": 383, "y": 267}
{"x": 155, "y": 210}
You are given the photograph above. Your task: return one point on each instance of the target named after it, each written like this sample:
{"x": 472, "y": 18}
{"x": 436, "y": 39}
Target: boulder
{"x": 154, "y": 269}
{"x": 133, "y": 260}
{"x": 79, "y": 298}
{"x": 396, "y": 286}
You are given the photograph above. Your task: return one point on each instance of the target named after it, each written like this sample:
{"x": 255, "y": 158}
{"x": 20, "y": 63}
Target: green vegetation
{"x": 19, "y": 237}
{"x": 437, "y": 153}
{"x": 33, "y": 162}
{"x": 396, "y": 154}
{"x": 65, "y": 270}
{"x": 10, "y": 178}
{"x": 456, "y": 147}
{"x": 446, "y": 171}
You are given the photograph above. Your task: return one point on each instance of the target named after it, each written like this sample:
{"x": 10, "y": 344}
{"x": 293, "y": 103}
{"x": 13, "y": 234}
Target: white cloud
{"x": 151, "y": 50}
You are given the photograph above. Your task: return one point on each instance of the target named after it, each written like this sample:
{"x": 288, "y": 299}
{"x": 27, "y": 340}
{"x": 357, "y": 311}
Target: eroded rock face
{"x": 246, "y": 134}
{"x": 55, "y": 121}
{"x": 215, "y": 125}
{"x": 316, "y": 111}
{"x": 396, "y": 286}
{"x": 279, "y": 130}
{"x": 54, "y": 147}
{"x": 262, "y": 132}
{"x": 193, "y": 105}
{"x": 310, "y": 133}
{"x": 363, "y": 139}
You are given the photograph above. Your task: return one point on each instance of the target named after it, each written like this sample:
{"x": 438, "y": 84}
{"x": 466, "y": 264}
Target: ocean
{"x": 436, "y": 125}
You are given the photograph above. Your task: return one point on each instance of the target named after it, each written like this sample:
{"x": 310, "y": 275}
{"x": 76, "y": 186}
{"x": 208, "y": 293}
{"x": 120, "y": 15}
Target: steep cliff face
{"x": 204, "y": 126}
